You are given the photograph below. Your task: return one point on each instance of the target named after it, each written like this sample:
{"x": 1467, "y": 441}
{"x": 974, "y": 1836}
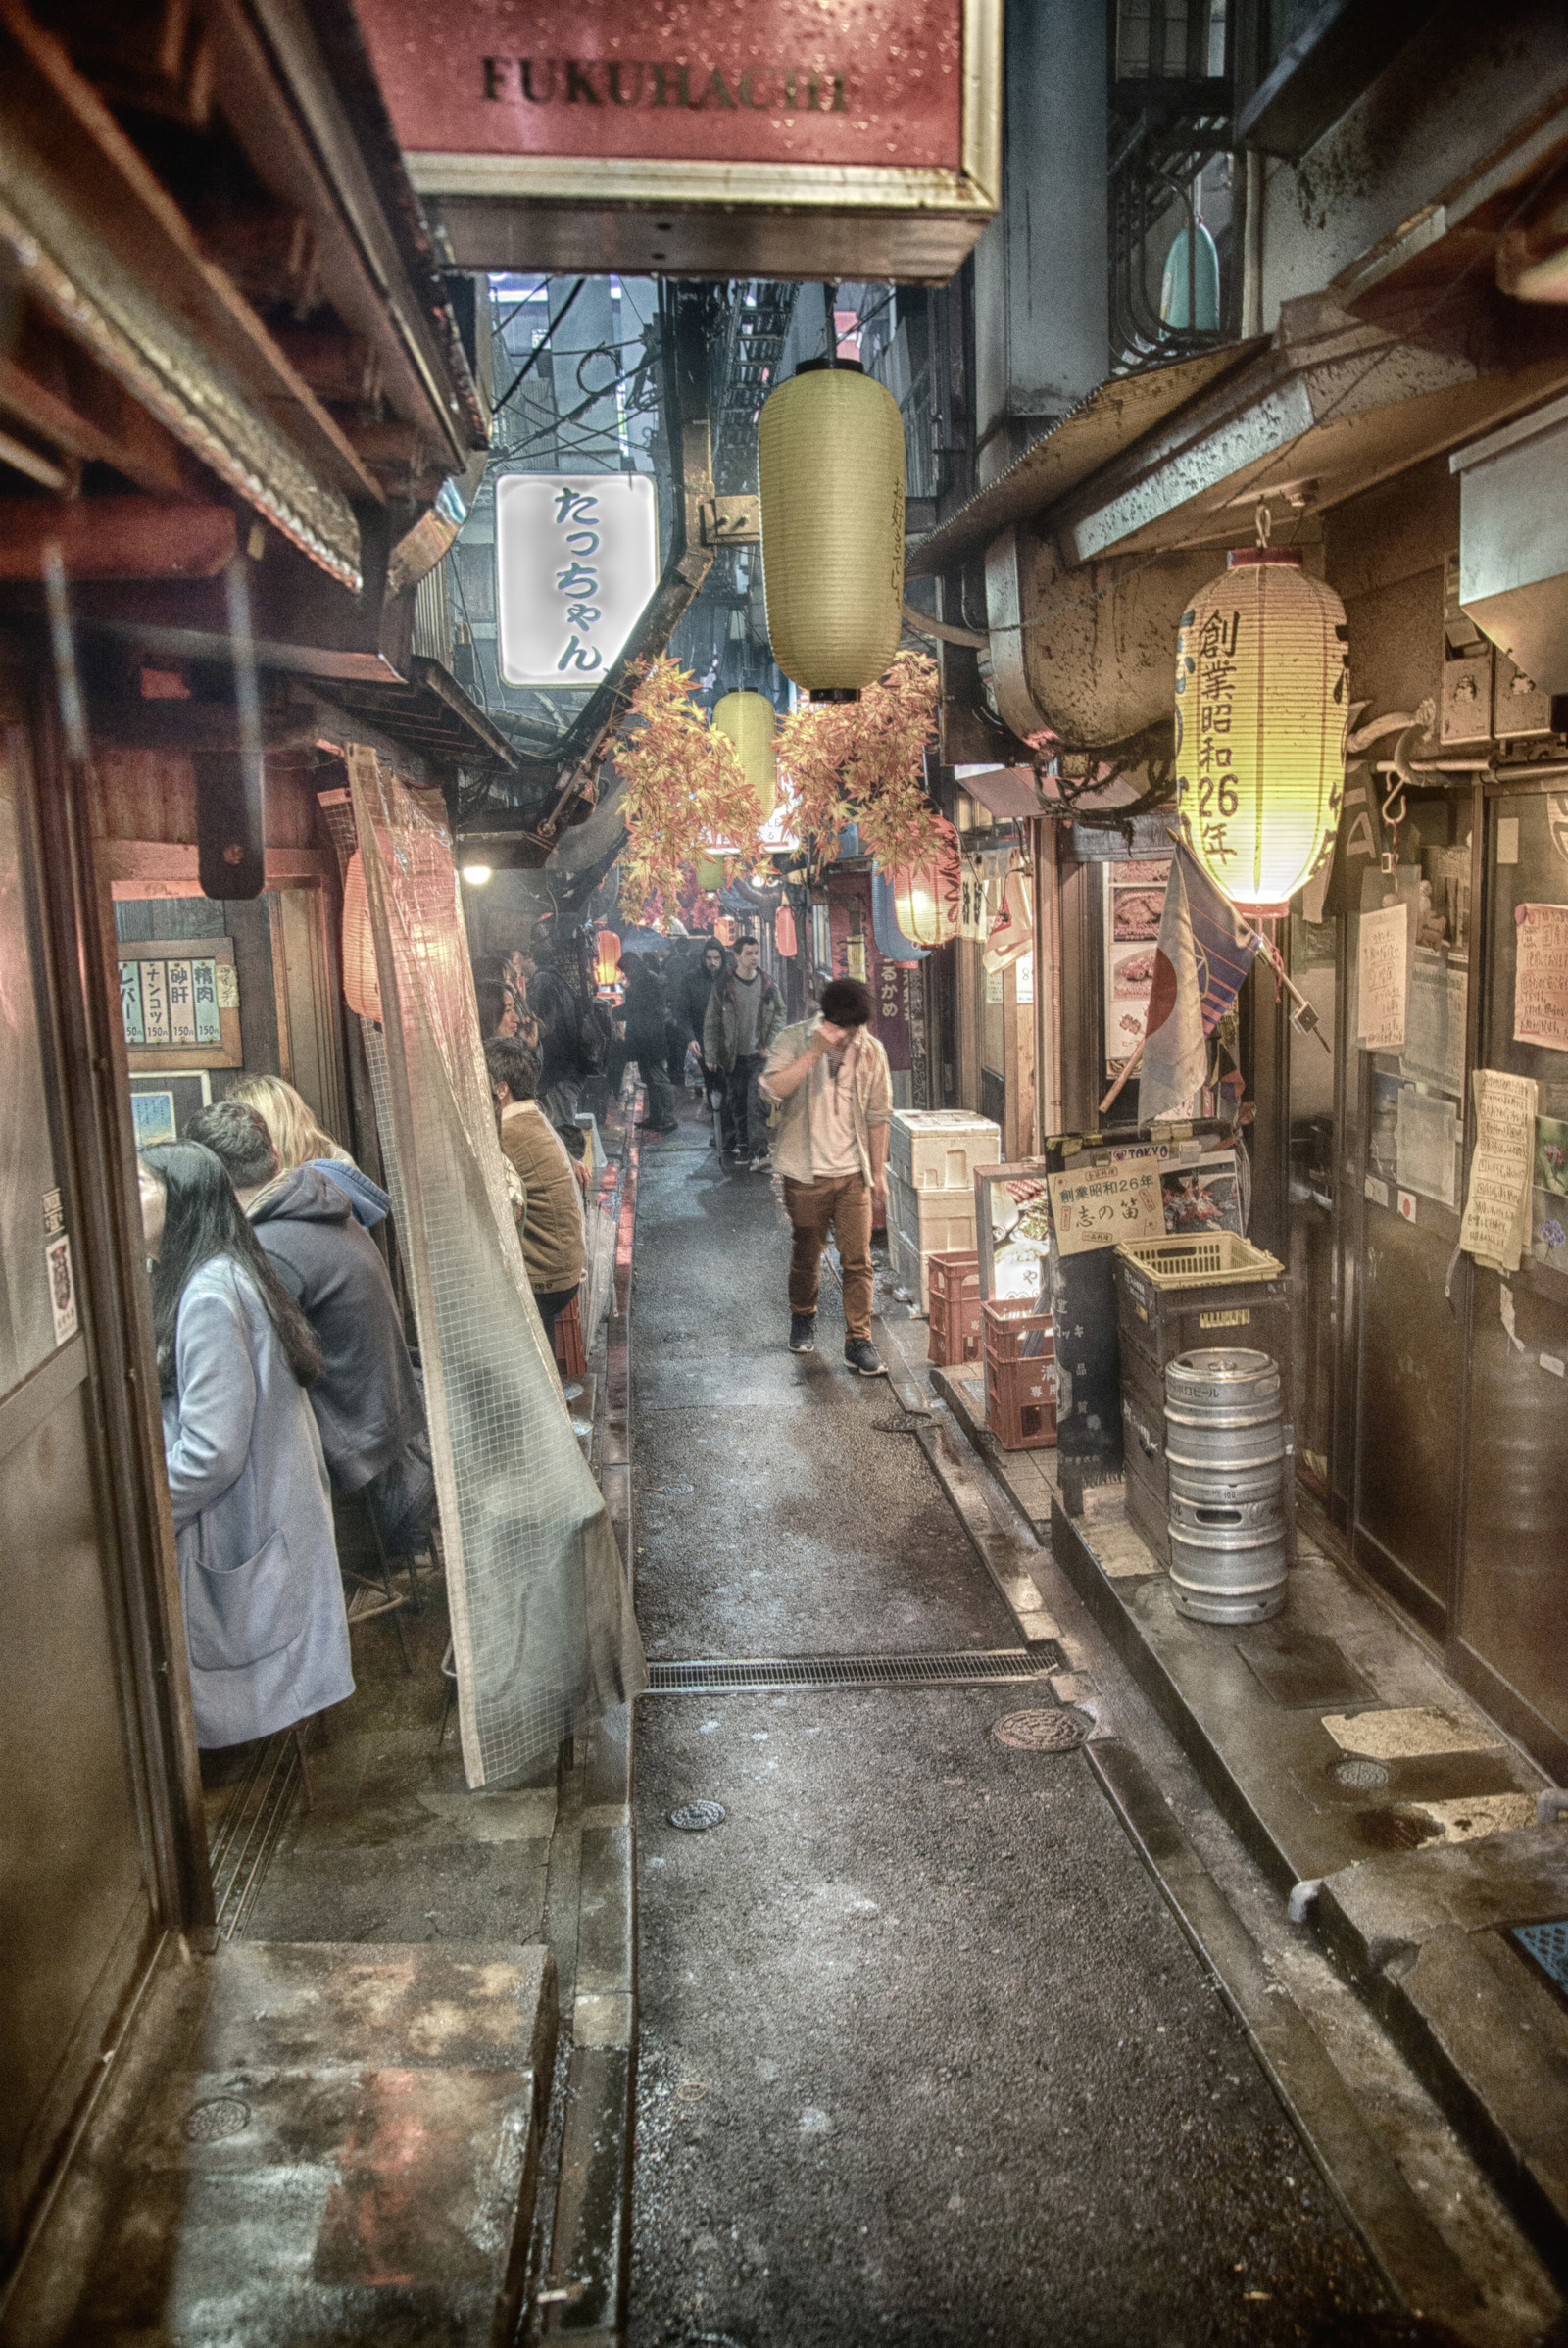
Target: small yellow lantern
{"x": 750, "y": 722}
{"x": 831, "y": 469}
{"x": 1262, "y": 702}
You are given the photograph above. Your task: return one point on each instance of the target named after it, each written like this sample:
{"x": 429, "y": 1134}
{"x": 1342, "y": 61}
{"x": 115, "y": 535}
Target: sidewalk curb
{"x": 1418, "y": 2264}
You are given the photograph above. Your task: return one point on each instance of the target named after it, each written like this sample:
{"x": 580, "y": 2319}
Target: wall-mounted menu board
{"x": 179, "y": 1003}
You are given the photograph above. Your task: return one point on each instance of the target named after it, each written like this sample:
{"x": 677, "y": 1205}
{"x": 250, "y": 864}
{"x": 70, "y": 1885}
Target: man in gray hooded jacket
{"x": 368, "y": 1402}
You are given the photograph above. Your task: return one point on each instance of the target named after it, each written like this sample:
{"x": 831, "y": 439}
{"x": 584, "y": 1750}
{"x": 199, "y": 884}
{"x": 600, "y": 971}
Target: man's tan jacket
{"x": 870, "y": 1099}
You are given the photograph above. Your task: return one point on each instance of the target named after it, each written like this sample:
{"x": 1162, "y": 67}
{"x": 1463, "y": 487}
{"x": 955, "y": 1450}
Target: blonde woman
{"x": 299, "y": 1140}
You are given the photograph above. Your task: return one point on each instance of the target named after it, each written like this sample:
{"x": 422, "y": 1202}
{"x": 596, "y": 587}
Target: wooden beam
{"x": 116, "y": 538}
{"x": 151, "y": 869}
{"x": 50, "y": 386}
{"x": 200, "y": 727}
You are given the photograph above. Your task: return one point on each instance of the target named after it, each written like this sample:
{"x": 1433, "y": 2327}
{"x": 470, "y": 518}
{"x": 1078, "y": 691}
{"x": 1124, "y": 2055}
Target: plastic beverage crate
{"x": 1020, "y": 1375}
{"x": 954, "y": 1283}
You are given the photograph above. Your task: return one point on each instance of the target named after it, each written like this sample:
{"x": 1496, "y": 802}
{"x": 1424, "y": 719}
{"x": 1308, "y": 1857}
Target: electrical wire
{"x": 541, "y": 346}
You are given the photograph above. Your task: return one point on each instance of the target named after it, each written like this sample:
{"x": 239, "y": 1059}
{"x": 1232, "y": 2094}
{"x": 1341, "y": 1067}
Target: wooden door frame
{"x": 82, "y": 980}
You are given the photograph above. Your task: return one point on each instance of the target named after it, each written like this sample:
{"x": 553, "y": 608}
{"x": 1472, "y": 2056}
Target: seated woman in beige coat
{"x": 551, "y": 1225}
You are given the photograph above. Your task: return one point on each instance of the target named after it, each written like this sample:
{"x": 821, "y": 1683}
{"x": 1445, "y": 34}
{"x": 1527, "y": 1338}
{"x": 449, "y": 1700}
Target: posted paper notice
{"x": 1381, "y": 963}
{"x": 1496, "y": 1212}
{"x": 1541, "y": 976}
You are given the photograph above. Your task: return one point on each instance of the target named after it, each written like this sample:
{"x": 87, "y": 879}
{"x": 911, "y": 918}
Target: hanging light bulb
{"x": 750, "y": 722}
{"x": 1262, "y": 702}
{"x": 830, "y": 471}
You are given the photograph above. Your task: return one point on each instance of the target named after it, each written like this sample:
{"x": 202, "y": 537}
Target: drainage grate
{"x": 1060, "y": 1731}
{"x": 1547, "y": 1944}
{"x": 713, "y": 1677}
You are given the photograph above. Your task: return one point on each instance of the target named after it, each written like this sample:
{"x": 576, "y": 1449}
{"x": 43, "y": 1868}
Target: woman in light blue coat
{"x": 264, "y": 1621}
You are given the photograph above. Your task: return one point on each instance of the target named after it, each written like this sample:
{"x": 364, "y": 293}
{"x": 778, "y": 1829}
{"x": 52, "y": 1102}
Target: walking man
{"x": 745, "y": 1012}
{"x": 830, "y": 1076}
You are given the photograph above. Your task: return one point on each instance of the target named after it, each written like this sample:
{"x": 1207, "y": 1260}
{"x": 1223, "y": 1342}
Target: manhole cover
{"x": 695, "y": 1818}
{"x": 1360, "y": 1777}
{"x": 1055, "y": 1732}
{"x": 223, "y": 2116}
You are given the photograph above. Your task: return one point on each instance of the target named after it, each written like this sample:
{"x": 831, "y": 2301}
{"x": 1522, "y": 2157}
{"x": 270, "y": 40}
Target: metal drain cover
{"x": 1360, "y": 1777}
{"x": 223, "y": 2116}
{"x": 695, "y": 1818}
{"x": 1060, "y": 1731}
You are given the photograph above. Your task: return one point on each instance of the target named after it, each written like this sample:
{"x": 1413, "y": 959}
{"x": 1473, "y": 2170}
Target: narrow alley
{"x": 925, "y": 2055}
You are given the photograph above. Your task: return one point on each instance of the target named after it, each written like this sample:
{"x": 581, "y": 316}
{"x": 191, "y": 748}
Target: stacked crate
{"x": 1174, "y": 1295}
{"x": 954, "y": 1293}
{"x": 932, "y": 1156}
{"x": 1021, "y": 1374}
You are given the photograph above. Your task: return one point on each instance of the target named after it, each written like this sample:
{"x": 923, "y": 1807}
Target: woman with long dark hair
{"x": 264, "y": 1621}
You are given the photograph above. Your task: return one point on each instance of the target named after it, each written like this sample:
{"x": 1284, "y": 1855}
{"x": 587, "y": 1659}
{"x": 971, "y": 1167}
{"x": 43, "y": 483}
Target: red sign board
{"x": 548, "y": 110}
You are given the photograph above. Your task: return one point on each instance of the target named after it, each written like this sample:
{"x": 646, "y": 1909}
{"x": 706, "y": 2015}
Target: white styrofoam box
{"x": 939, "y": 1149}
{"x": 922, "y": 1224}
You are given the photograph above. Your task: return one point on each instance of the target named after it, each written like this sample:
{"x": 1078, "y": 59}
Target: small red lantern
{"x": 784, "y": 938}
{"x": 726, "y": 930}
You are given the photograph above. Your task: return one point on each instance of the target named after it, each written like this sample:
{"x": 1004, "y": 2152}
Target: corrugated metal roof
{"x": 1110, "y": 420}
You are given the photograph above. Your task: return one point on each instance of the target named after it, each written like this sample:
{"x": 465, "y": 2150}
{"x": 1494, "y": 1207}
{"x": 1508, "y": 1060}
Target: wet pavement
{"x": 924, "y": 2057}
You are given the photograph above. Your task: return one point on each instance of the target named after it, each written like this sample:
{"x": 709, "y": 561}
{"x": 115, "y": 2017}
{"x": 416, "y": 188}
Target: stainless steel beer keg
{"x": 1225, "y": 1452}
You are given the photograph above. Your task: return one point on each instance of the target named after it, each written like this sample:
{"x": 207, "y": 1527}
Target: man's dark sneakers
{"x": 802, "y": 1332}
{"x": 860, "y": 1355}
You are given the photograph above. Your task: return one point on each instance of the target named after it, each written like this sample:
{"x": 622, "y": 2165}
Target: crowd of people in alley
{"x": 288, "y": 1389}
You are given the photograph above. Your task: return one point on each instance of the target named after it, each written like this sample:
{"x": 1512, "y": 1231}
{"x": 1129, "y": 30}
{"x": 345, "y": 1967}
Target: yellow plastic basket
{"x": 1207, "y": 1260}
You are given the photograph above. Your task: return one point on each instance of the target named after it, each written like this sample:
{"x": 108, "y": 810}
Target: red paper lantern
{"x": 784, "y": 938}
{"x": 607, "y": 965}
{"x": 726, "y": 929}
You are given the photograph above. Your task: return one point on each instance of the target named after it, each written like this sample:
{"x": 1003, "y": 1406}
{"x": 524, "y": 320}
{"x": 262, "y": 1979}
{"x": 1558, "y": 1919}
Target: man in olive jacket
{"x": 745, "y": 1012}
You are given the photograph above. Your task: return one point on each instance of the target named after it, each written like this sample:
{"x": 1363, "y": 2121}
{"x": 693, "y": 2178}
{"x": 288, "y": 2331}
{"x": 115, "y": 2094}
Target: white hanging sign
{"x": 576, "y": 560}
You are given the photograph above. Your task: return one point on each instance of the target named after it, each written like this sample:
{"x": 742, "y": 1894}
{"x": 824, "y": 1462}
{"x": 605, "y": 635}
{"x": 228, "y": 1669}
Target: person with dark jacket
{"x": 647, "y": 1040}
{"x": 368, "y": 1402}
{"x": 697, "y": 985}
{"x": 745, "y": 1012}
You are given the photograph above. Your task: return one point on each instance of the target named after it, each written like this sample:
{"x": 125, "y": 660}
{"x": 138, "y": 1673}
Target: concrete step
{"x": 307, "y": 2142}
{"x": 1427, "y": 1936}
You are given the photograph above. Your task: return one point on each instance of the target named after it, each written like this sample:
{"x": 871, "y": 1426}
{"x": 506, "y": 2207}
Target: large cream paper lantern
{"x": 1262, "y": 709}
{"x": 926, "y": 897}
{"x": 830, "y": 461}
{"x": 750, "y": 722}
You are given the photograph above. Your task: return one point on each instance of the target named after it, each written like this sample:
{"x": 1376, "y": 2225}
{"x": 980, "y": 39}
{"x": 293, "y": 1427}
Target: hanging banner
{"x": 801, "y": 139}
{"x": 1541, "y": 976}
